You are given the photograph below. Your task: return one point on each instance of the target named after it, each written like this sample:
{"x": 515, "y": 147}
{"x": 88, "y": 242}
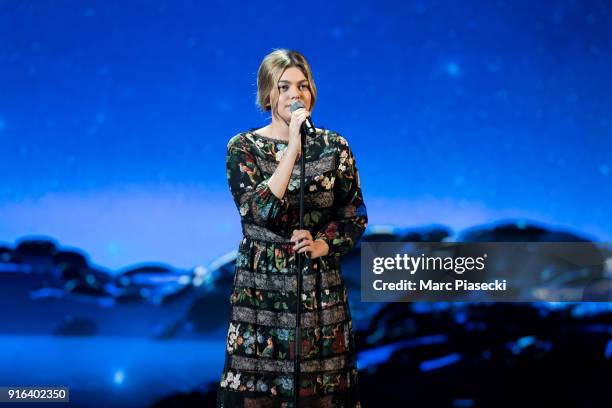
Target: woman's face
{"x": 292, "y": 86}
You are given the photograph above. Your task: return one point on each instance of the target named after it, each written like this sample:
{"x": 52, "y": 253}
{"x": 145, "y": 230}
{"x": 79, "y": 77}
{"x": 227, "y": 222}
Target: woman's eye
{"x": 305, "y": 86}
{"x": 283, "y": 87}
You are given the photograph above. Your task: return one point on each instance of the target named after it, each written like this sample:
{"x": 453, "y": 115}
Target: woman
{"x": 263, "y": 175}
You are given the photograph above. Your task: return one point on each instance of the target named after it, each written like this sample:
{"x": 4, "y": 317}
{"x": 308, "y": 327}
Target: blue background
{"x": 114, "y": 115}
{"x": 114, "y": 119}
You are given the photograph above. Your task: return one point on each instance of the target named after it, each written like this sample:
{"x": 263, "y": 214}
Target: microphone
{"x": 307, "y": 128}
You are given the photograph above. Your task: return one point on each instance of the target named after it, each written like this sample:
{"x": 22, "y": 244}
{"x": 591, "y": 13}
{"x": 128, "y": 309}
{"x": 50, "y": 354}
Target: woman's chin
{"x": 285, "y": 117}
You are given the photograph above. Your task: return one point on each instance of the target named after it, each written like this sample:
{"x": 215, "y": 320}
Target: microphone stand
{"x": 300, "y": 258}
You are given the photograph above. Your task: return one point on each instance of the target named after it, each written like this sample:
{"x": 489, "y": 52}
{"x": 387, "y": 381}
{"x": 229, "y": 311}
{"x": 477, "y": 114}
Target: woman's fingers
{"x": 300, "y": 234}
{"x": 299, "y": 237}
{"x": 302, "y": 244}
{"x": 300, "y": 116}
{"x": 297, "y": 119}
{"x": 303, "y": 241}
{"x": 308, "y": 246}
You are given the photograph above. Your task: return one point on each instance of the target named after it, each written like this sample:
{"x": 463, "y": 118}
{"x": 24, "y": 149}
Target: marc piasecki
{"x": 458, "y": 284}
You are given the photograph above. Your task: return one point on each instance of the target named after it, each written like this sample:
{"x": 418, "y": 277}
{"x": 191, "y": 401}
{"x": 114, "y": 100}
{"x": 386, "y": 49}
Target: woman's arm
{"x": 252, "y": 193}
{"x": 261, "y": 201}
{"x": 350, "y": 218}
{"x": 280, "y": 179}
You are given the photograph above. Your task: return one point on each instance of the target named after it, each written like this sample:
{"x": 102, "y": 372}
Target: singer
{"x": 264, "y": 180}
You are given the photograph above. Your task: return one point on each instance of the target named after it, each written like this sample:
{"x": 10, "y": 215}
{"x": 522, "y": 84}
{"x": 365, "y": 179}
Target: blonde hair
{"x": 271, "y": 69}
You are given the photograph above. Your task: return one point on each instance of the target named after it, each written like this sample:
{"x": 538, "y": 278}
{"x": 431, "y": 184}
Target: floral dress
{"x": 259, "y": 360}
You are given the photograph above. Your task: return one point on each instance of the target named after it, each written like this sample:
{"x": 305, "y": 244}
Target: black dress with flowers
{"x": 259, "y": 360}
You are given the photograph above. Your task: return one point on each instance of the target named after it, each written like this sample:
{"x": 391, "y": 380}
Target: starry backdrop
{"x": 114, "y": 115}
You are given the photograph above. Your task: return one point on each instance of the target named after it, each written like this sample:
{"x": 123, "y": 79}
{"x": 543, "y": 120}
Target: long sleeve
{"x": 252, "y": 195}
{"x": 350, "y": 215}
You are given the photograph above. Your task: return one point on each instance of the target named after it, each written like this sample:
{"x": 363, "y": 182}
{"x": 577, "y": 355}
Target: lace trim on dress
{"x": 313, "y": 168}
{"x": 285, "y": 141}
{"x": 328, "y": 316}
{"x": 263, "y": 234}
{"x": 259, "y": 364}
{"x": 285, "y": 283}
{"x": 322, "y": 199}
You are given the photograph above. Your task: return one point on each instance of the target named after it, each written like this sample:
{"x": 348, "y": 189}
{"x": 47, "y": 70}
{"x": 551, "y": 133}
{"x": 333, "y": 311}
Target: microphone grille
{"x": 295, "y": 105}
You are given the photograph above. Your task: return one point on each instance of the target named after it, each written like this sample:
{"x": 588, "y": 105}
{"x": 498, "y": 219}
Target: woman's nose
{"x": 295, "y": 93}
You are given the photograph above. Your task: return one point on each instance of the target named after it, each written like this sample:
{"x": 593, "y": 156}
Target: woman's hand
{"x": 304, "y": 242}
{"x": 295, "y": 138}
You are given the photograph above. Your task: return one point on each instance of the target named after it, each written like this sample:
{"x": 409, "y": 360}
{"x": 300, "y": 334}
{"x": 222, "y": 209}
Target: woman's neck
{"x": 279, "y": 129}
